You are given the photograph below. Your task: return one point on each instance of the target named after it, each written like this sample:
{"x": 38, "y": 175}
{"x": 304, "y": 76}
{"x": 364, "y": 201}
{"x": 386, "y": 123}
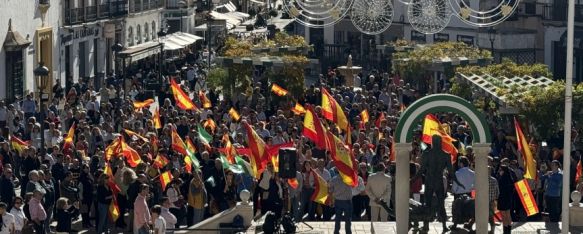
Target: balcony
{"x": 90, "y": 13}
{"x": 558, "y": 12}
{"x": 145, "y": 5}
{"x": 103, "y": 11}
{"x": 137, "y": 6}
{"x": 118, "y": 9}
{"x": 74, "y": 16}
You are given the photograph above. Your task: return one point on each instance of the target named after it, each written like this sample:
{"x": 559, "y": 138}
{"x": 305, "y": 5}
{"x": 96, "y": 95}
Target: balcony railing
{"x": 137, "y": 6}
{"x": 118, "y": 9}
{"x": 90, "y": 13}
{"x": 103, "y": 11}
{"x": 558, "y": 12}
{"x": 74, "y": 16}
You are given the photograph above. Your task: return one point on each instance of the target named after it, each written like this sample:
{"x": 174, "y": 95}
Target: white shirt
{"x": 160, "y": 225}
{"x": 359, "y": 188}
{"x": 19, "y": 218}
{"x": 168, "y": 217}
{"x": 8, "y": 223}
{"x": 378, "y": 186}
{"x": 172, "y": 195}
{"x": 467, "y": 178}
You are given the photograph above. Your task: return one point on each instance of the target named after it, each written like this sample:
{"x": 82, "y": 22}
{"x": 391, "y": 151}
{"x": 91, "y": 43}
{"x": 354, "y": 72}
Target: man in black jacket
{"x": 7, "y": 193}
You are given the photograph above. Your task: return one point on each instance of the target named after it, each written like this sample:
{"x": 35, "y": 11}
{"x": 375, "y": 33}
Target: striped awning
{"x": 258, "y": 61}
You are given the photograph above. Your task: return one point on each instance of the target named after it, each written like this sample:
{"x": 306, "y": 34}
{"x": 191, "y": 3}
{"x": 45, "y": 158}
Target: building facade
{"x": 29, "y": 32}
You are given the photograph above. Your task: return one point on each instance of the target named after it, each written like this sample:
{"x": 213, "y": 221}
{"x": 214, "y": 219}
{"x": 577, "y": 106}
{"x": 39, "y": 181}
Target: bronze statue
{"x": 434, "y": 161}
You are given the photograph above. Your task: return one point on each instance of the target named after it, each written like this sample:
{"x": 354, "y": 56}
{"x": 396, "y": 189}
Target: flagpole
{"x": 568, "y": 105}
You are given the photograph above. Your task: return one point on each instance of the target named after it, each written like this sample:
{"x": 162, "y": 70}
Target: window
{"x": 154, "y": 30}
{"x": 14, "y": 75}
{"x": 138, "y": 34}
{"x": 146, "y": 33}
{"x": 130, "y": 36}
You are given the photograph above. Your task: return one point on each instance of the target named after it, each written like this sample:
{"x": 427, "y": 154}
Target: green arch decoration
{"x": 442, "y": 103}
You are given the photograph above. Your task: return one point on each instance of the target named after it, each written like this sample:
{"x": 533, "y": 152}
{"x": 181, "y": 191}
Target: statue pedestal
{"x": 349, "y": 73}
{"x": 576, "y": 215}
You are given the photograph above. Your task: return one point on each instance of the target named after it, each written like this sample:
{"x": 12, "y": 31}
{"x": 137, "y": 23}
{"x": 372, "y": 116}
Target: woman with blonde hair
{"x": 103, "y": 201}
{"x": 65, "y": 214}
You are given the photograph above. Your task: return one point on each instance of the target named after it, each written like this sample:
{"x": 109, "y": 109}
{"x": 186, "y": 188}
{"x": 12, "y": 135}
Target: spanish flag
{"x": 230, "y": 151}
{"x": 18, "y": 144}
{"x": 579, "y": 172}
{"x": 107, "y": 171}
{"x": 113, "y": 149}
{"x": 343, "y": 160}
{"x": 160, "y": 161}
{"x": 156, "y": 119}
{"x": 113, "y": 210}
{"x": 69, "y": 139}
{"x": 210, "y": 123}
{"x": 134, "y": 134}
{"x": 364, "y": 116}
{"x": 526, "y": 197}
{"x": 130, "y": 154}
{"x": 293, "y": 182}
{"x": 379, "y": 120}
{"x": 332, "y": 111}
{"x": 259, "y": 153}
{"x": 298, "y": 109}
{"x": 177, "y": 143}
{"x": 313, "y": 128}
{"x": 187, "y": 164}
{"x": 206, "y": 103}
{"x": 182, "y": 99}
{"x": 234, "y": 114}
{"x": 529, "y": 162}
{"x": 190, "y": 146}
{"x": 191, "y": 150}
{"x": 165, "y": 179}
{"x": 320, "y": 194}
{"x": 278, "y": 90}
{"x": 140, "y": 105}
{"x": 431, "y": 126}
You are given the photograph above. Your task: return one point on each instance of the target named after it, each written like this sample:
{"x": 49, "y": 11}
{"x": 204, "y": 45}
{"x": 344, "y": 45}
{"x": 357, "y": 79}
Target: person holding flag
{"x": 342, "y": 202}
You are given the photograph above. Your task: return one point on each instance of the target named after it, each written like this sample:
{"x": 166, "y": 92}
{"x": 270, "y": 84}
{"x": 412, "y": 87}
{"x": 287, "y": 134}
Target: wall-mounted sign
{"x": 109, "y": 30}
{"x": 440, "y": 37}
{"x": 466, "y": 39}
{"x": 417, "y": 36}
{"x": 85, "y": 32}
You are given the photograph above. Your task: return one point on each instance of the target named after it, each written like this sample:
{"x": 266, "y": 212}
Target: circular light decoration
{"x": 372, "y": 16}
{"x": 429, "y": 16}
{"x": 488, "y": 18}
{"x": 317, "y": 13}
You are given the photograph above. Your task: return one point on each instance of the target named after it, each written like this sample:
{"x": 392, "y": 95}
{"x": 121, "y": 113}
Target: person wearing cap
{"x": 554, "y": 182}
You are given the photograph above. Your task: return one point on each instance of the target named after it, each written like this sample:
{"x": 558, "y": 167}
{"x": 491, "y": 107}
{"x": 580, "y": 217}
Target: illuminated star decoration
{"x": 506, "y": 10}
{"x": 465, "y": 13}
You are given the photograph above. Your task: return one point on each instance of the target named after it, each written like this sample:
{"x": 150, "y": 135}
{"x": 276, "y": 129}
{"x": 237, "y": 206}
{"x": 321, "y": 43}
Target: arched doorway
{"x": 481, "y": 145}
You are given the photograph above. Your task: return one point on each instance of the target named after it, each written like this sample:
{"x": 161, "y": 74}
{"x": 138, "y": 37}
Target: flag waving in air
{"x": 298, "y": 109}
{"x": 380, "y": 119}
{"x": 526, "y": 197}
{"x": 432, "y": 126}
{"x": 278, "y": 90}
{"x": 234, "y": 114}
{"x": 156, "y": 119}
{"x": 343, "y": 160}
{"x": 140, "y": 105}
{"x": 313, "y": 129}
{"x": 18, "y": 144}
{"x": 206, "y": 103}
{"x": 524, "y": 148}
{"x": 204, "y": 137}
{"x": 320, "y": 194}
{"x": 69, "y": 139}
{"x": 165, "y": 179}
{"x": 178, "y": 143}
{"x": 182, "y": 99}
{"x": 332, "y": 111}
{"x": 130, "y": 154}
{"x": 259, "y": 153}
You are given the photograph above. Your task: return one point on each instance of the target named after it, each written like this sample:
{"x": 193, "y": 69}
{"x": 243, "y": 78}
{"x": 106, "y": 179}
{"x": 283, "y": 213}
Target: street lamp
{"x": 209, "y": 19}
{"x": 492, "y": 37}
{"x": 116, "y": 49}
{"x": 42, "y": 76}
{"x": 181, "y": 4}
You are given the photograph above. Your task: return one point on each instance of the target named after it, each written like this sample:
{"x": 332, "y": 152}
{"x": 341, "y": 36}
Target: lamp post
{"x": 181, "y": 4}
{"x": 116, "y": 49}
{"x": 209, "y": 19}
{"x": 42, "y": 75}
{"x": 492, "y": 37}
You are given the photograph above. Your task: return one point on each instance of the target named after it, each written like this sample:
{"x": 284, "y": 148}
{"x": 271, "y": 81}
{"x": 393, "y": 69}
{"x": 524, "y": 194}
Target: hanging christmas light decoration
{"x": 317, "y": 13}
{"x": 487, "y": 18}
{"x": 429, "y": 16}
{"x": 372, "y": 16}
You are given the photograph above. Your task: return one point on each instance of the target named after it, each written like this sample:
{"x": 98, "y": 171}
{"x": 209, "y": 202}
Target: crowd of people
{"x": 47, "y": 182}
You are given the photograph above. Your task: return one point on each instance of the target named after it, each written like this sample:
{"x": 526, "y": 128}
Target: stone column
{"x": 481, "y": 185}
{"x": 402, "y": 183}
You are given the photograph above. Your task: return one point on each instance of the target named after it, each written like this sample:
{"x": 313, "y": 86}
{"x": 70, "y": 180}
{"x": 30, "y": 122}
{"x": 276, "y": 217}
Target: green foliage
{"x": 282, "y": 39}
{"x": 401, "y": 43}
{"x": 508, "y": 69}
{"x": 217, "y": 78}
{"x": 232, "y": 81}
{"x": 462, "y": 90}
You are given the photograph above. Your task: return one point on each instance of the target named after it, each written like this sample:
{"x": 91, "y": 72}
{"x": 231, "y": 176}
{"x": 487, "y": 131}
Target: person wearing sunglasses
{"x": 20, "y": 219}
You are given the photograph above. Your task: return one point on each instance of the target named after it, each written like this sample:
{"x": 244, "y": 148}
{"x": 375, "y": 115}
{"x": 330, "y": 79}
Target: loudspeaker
{"x": 287, "y": 162}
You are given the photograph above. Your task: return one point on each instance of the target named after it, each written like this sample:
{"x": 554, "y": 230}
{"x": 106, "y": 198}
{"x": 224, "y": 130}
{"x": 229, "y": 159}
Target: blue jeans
{"x": 49, "y": 211}
{"x": 295, "y": 208}
{"x": 198, "y": 216}
{"x": 307, "y": 203}
{"x": 103, "y": 223}
{"x": 343, "y": 212}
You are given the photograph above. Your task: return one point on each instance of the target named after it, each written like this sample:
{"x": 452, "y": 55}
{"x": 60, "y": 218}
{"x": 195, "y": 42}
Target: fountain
{"x": 349, "y": 71}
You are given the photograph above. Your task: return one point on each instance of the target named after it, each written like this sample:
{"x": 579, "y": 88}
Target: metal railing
{"x": 558, "y": 12}
{"x": 137, "y": 6}
{"x": 74, "y": 16}
{"x": 90, "y": 13}
{"x": 103, "y": 11}
{"x": 118, "y": 9}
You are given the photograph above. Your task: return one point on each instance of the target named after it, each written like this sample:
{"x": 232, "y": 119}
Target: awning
{"x": 14, "y": 41}
{"x": 141, "y": 51}
{"x": 230, "y": 19}
{"x": 188, "y": 35}
{"x": 257, "y": 2}
{"x": 170, "y": 45}
{"x": 230, "y": 7}
{"x": 238, "y": 15}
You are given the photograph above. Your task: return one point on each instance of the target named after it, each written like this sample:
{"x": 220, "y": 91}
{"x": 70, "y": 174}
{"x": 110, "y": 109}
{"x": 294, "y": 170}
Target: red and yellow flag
{"x": 190, "y": 146}
{"x": 206, "y": 103}
{"x": 130, "y": 154}
{"x": 182, "y": 99}
{"x": 160, "y": 161}
{"x": 343, "y": 160}
{"x": 140, "y": 105}
{"x": 320, "y": 194}
{"x": 18, "y": 144}
{"x": 579, "y": 172}
{"x": 379, "y": 120}
{"x": 156, "y": 119}
{"x": 187, "y": 164}
{"x": 178, "y": 143}
{"x": 230, "y": 151}
{"x": 526, "y": 197}
{"x": 210, "y": 123}
{"x": 113, "y": 210}
{"x": 234, "y": 114}
{"x": 135, "y": 134}
{"x": 298, "y": 109}
{"x": 259, "y": 153}
{"x": 165, "y": 179}
{"x": 313, "y": 128}
{"x": 69, "y": 139}
{"x": 529, "y": 162}
{"x": 113, "y": 149}
{"x": 293, "y": 182}
{"x": 432, "y": 126}
{"x": 364, "y": 116}
{"x": 278, "y": 90}
{"x": 332, "y": 111}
